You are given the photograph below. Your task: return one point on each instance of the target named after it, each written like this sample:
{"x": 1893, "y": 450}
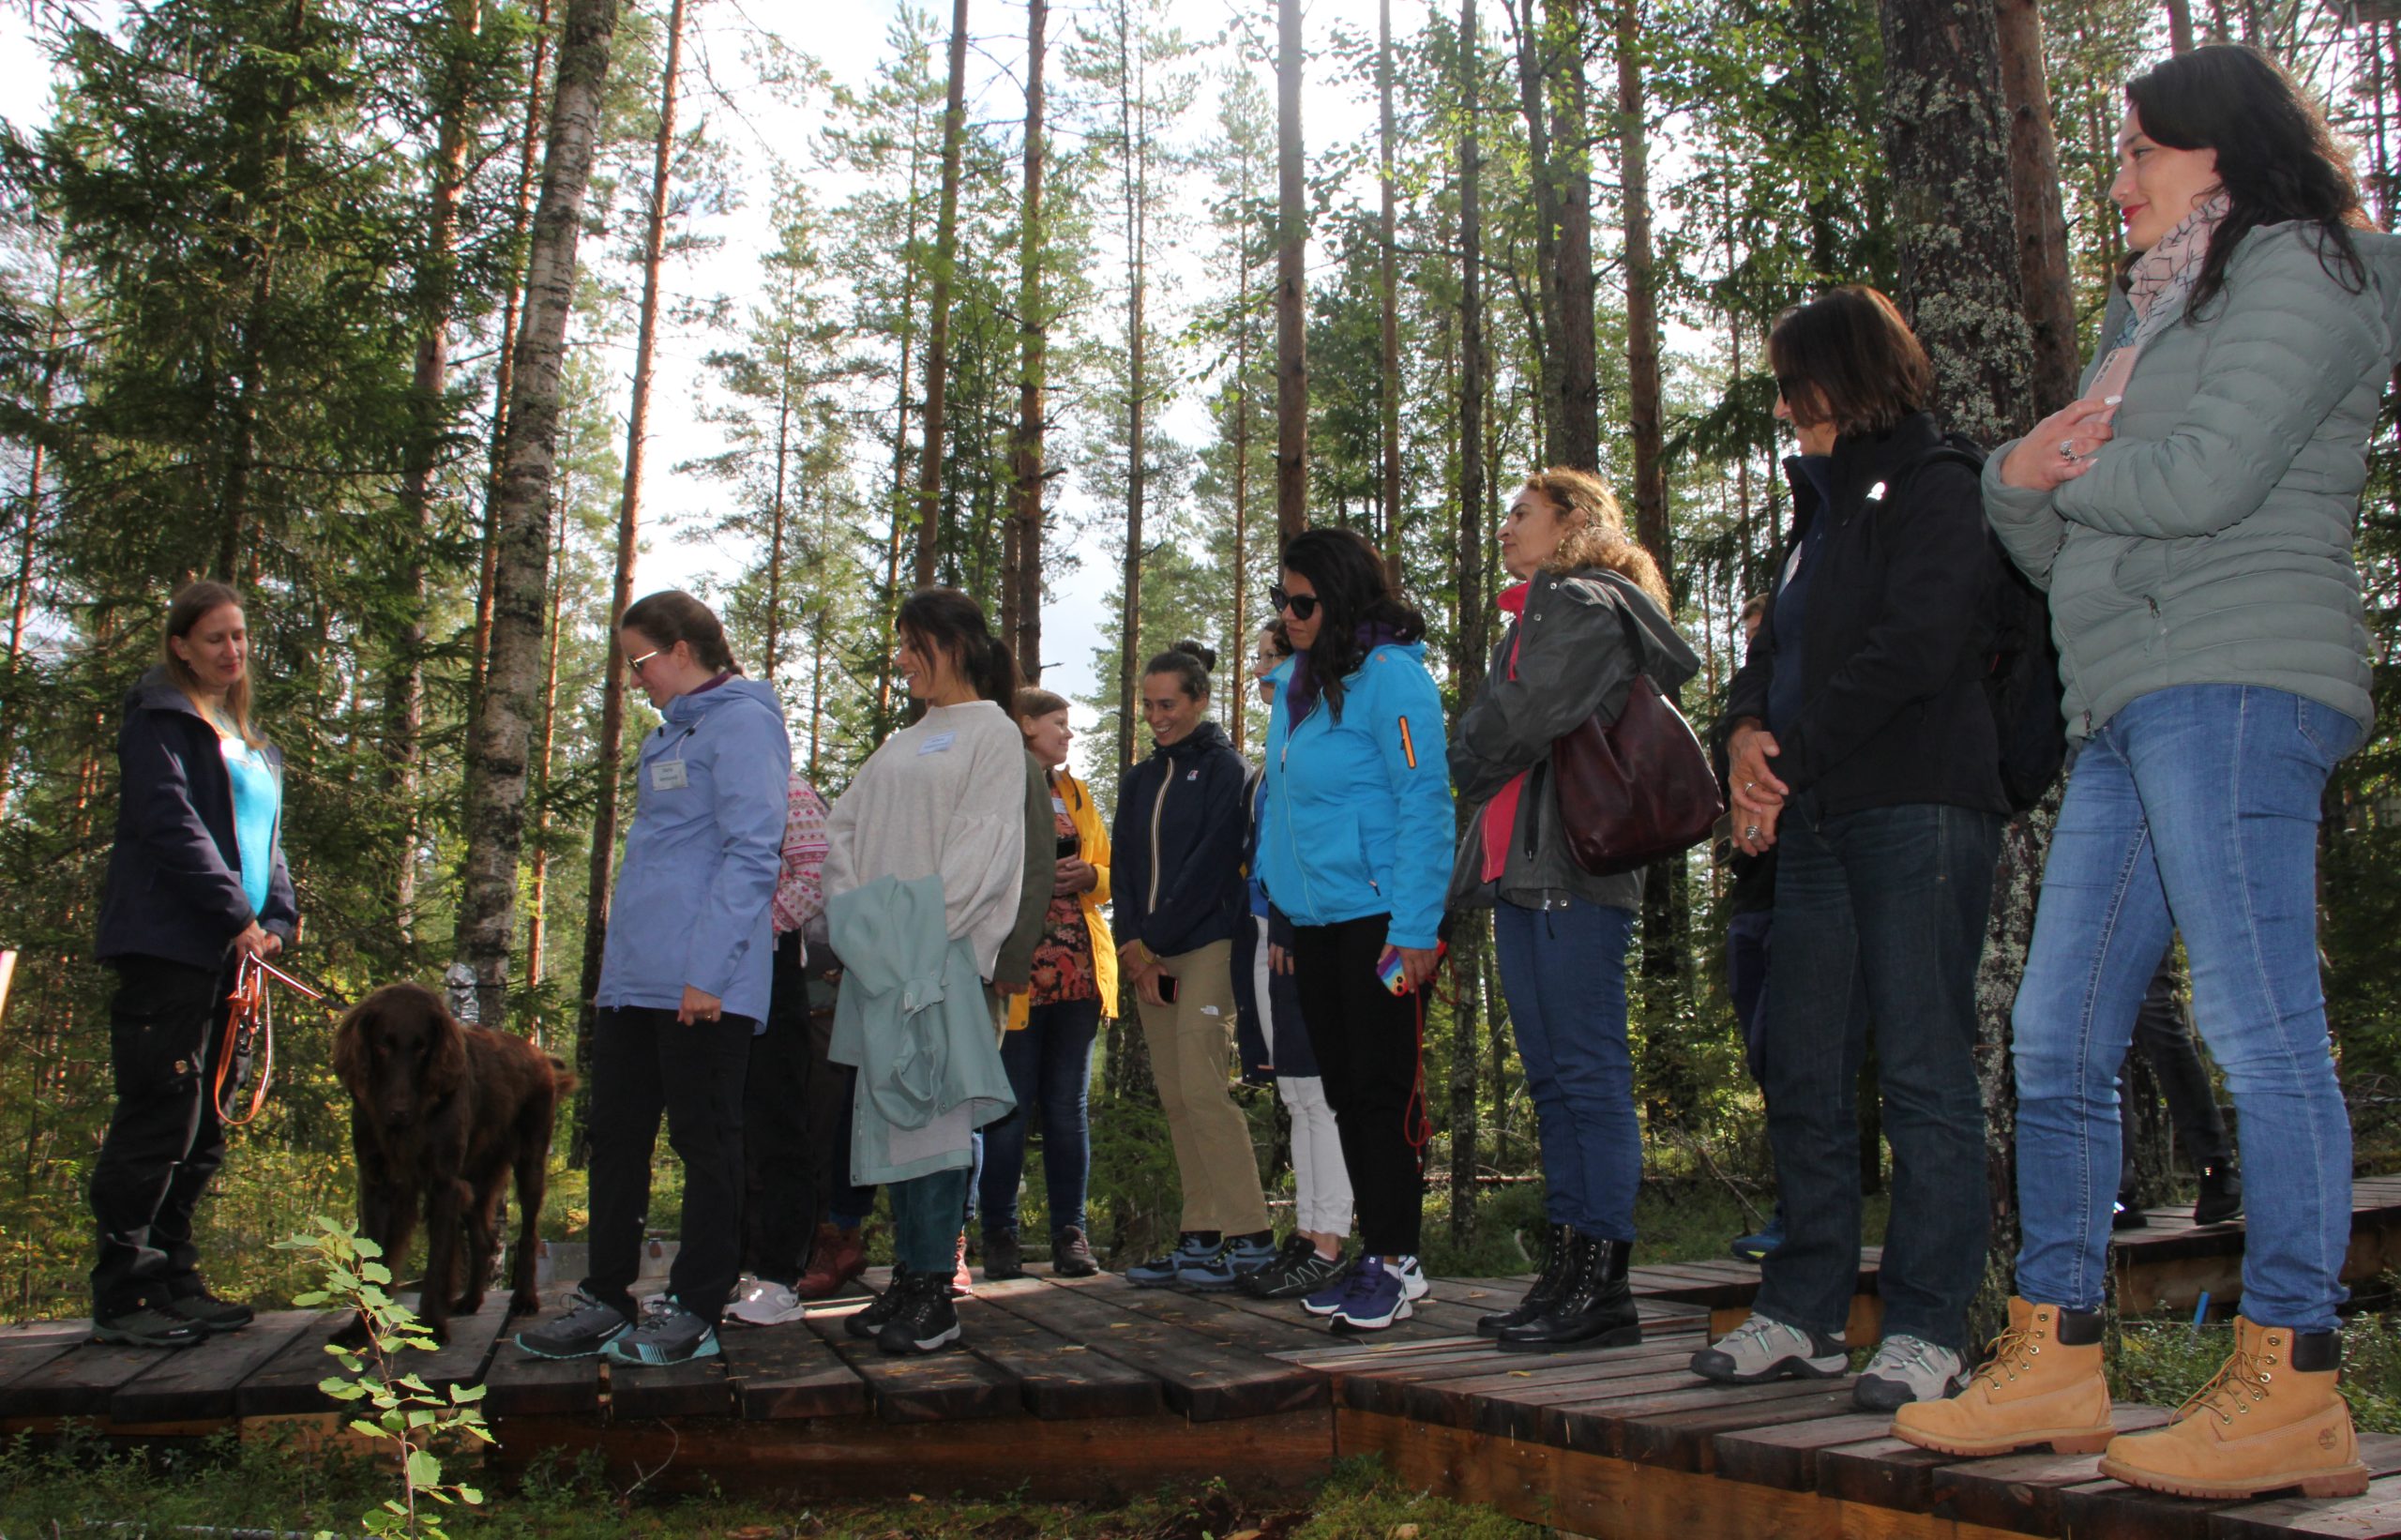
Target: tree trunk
{"x": 1472, "y": 624}
{"x": 1133, "y": 120}
{"x": 1534, "y": 46}
{"x": 1642, "y": 292}
{"x": 1579, "y": 440}
{"x": 496, "y": 751}
{"x": 435, "y": 298}
{"x": 1024, "y": 579}
{"x": 954, "y": 138}
{"x": 608, "y": 754}
{"x": 776, "y": 517}
{"x": 2179, "y": 27}
{"x": 1238, "y": 645}
{"x": 1388, "y": 399}
{"x": 1292, "y": 285}
{"x": 884, "y": 705}
{"x": 1946, "y": 137}
{"x": 2034, "y": 199}
{"x": 538, "y": 897}
{"x": 521, "y": 211}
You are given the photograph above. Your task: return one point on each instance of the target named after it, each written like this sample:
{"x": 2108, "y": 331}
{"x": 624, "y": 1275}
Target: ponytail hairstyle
{"x": 1354, "y": 592}
{"x": 1190, "y": 664}
{"x": 194, "y": 603}
{"x": 2276, "y": 159}
{"x": 946, "y": 620}
{"x": 670, "y": 616}
{"x": 1593, "y": 532}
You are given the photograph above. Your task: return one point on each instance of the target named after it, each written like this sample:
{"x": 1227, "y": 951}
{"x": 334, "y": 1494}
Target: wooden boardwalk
{"x": 1093, "y": 1389}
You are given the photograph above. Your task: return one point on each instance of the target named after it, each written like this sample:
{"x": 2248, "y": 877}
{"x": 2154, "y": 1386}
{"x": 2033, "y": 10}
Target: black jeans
{"x": 789, "y": 1113}
{"x": 164, "y": 1140}
{"x": 2163, "y": 1033}
{"x": 1366, "y": 1044}
{"x": 644, "y": 1062}
{"x": 1879, "y": 918}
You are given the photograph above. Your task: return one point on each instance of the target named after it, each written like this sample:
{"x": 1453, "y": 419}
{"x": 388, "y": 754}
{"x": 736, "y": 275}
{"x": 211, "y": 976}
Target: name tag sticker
{"x": 668, "y": 775}
{"x": 1059, "y": 805}
{"x": 939, "y": 743}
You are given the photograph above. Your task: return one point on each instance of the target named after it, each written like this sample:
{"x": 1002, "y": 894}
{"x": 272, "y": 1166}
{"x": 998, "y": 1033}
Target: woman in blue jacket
{"x": 1355, "y": 847}
{"x": 196, "y": 884}
{"x": 684, "y": 986}
{"x": 1177, "y": 843}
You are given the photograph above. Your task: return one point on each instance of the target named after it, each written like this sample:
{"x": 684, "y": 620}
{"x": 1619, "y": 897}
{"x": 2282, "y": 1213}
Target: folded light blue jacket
{"x": 915, "y": 1018}
{"x": 703, "y": 856}
{"x": 1357, "y": 816}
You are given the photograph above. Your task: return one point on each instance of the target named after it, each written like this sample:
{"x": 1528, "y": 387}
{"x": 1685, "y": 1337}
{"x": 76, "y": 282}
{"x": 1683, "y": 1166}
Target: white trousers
{"x": 1320, "y": 1182}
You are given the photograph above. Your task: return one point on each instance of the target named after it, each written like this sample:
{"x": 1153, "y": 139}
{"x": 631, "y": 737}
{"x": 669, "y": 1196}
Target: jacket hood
{"x": 156, "y": 690}
{"x": 733, "y": 693}
{"x": 1202, "y": 739}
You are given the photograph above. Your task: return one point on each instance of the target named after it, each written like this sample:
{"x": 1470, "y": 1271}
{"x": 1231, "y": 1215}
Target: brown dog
{"x": 442, "y": 1114}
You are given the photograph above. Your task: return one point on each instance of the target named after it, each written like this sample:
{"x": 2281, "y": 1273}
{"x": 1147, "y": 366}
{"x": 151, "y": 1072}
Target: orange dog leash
{"x": 249, "y": 1027}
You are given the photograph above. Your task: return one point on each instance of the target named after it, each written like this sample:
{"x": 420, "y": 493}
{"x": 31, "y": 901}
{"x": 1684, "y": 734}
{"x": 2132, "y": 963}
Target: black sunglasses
{"x": 1302, "y": 605}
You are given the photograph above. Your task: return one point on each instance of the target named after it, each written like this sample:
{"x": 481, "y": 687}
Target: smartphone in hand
{"x": 1389, "y": 971}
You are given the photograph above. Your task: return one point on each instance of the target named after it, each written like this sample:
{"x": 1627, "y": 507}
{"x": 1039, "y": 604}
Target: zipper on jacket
{"x": 1158, "y": 807}
{"x": 1283, "y": 770}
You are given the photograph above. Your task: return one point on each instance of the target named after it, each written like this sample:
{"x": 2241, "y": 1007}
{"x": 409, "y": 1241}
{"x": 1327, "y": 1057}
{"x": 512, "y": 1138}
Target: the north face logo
{"x": 1193, "y": 773}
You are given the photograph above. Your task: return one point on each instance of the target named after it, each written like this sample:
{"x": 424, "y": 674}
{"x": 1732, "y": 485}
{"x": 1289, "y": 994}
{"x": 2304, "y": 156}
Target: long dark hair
{"x": 946, "y": 620}
{"x": 2276, "y": 159}
{"x": 189, "y": 607}
{"x": 1352, "y": 591}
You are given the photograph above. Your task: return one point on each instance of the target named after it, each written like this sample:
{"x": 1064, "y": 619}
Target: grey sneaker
{"x": 1908, "y": 1369}
{"x": 1190, "y": 1251}
{"x": 667, "y": 1334}
{"x": 1233, "y": 1261}
{"x": 588, "y": 1326}
{"x": 763, "y": 1302}
{"x": 1761, "y": 1349}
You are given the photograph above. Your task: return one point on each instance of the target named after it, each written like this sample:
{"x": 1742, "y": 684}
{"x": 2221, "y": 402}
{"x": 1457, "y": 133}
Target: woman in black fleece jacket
{"x": 1178, "y": 893}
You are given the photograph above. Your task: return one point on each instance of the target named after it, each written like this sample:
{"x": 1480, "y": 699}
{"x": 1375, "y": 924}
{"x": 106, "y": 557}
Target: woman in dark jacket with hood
{"x": 1863, "y": 748}
{"x": 1178, "y": 845}
{"x": 196, "y": 884}
{"x": 1589, "y": 616}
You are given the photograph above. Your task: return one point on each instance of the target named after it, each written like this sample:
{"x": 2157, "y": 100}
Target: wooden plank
{"x": 1686, "y": 1440}
{"x": 2376, "y": 1512}
{"x": 286, "y": 1383}
{"x": 1880, "y": 1473}
{"x": 1787, "y": 1457}
{"x": 1219, "y": 1320}
{"x": 519, "y": 1385}
{"x": 945, "y": 1386}
{"x": 786, "y": 1372}
{"x": 1449, "y": 1396}
{"x": 1599, "y": 1424}
{"x": 2109, "y": 1510}
{"x": 461, "y": 1360}
{"x": 1202, "y": 1379}
{"x": 197, "y": 1385}
{"x": 699, "y": 1388}
{"x": 1056, "y": 1377}
{"x": 82, "y": 1383}
{"x": 24, "y": 1357}
{"x": 1527, "y": 1413}
{"x": 2022, "y": 1491}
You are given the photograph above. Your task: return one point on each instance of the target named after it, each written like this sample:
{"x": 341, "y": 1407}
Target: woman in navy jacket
{"x": 196, "y": 883}
{"x": 1178, "y": 886}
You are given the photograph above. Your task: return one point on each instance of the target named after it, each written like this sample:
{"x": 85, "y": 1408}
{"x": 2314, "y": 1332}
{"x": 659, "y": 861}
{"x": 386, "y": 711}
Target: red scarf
{"x": 1501, "y": 813}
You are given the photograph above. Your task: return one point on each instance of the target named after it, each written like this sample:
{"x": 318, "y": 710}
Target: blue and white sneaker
{"x": 666, "y": 1334}
{"x": 1227, "y": 1269}
{"x": 1378, "y": 1300}
{"x": 587, "y": 1328}
{"x": 1191, "y": 1252}
{"x": 1326, "y": 1300}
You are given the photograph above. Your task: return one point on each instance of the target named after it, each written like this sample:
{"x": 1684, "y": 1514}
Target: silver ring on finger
{"x": 2067, "y": 449}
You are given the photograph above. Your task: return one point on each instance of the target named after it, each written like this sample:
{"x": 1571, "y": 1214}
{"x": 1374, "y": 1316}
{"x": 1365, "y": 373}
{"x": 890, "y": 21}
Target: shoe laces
{"x": 1756, "y": 1329}
{"x": 1904, "y": 1354}
{"x": 660, "y": 1311}
{"x": 2241, "y": 1381}
{"x": 2010, "y": 1352}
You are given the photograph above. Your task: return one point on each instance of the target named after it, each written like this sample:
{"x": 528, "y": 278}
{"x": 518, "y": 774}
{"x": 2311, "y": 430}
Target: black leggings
{"x": 1365, "y": 1038}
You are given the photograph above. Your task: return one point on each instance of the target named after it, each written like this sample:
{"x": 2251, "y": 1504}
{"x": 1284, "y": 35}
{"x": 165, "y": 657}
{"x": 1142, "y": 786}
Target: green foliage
{"x": 2161, "y": 1362}
{"x": 410, "y": 1418}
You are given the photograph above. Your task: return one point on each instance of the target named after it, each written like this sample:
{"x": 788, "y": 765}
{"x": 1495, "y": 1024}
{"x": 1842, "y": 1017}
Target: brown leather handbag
{"x": 1636, "y": 789}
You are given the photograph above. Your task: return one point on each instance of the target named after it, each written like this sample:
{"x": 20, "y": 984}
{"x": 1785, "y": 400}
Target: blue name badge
{"x": 939, "y": 743}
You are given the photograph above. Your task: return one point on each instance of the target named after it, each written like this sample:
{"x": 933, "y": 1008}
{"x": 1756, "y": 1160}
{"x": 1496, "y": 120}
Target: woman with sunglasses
{"x": 684, "y": 982}
{"x": 196, "y": 886}
{"x": 1354, "y": 847}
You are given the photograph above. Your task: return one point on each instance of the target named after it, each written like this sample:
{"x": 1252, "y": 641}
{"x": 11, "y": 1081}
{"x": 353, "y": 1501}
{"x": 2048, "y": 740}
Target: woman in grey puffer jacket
{"x": 2192, "y": 519}
{"x": 1589, "y": 616}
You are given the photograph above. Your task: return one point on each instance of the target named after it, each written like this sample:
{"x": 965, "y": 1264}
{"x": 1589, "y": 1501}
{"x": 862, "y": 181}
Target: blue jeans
{"x": 2193, "y": 808}
{"x": 1880, "y": 917}
{"x": 1049, "y": 1061}
{"x": 925, "y": 1220}
{"x": 1562, "y": 971}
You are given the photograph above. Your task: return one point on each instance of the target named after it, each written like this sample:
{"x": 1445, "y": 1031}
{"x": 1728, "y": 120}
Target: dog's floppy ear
{"x": 350, "y": 1046}
{"x": 445, "y": 1068}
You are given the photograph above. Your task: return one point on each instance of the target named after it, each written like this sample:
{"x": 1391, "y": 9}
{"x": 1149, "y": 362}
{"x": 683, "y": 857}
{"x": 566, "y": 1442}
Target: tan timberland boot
{"x": 2041, "y": 1384}
{"x": 2272, "y": 1419}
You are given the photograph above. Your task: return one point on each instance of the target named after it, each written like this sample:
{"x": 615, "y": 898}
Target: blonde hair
{"x": 188, "y": 608}
{"x": 1594, "y": 532}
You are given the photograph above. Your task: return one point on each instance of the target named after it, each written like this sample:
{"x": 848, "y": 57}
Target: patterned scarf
{"x": 2156, "y": 287}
